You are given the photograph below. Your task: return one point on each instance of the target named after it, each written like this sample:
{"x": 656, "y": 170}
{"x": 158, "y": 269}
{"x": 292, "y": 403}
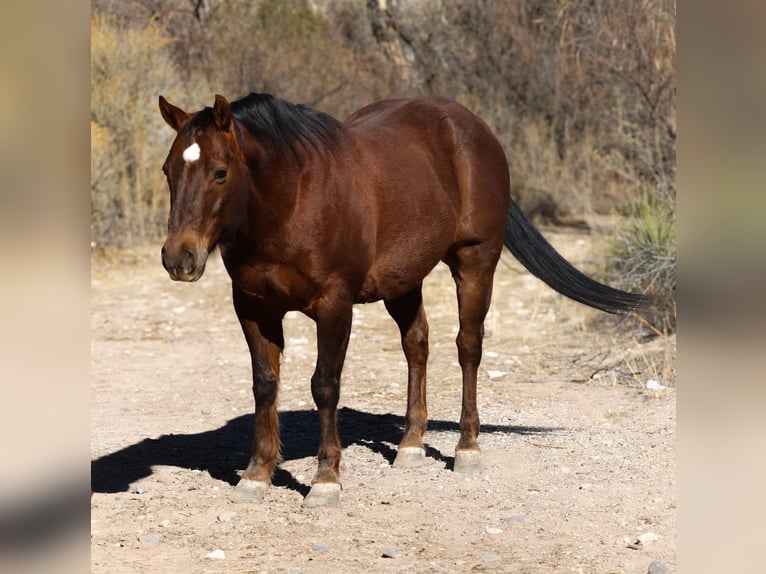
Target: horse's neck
{"x": 272, "y": 196}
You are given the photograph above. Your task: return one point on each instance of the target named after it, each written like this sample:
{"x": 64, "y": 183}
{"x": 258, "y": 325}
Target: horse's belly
{"x": 390, "y": 280}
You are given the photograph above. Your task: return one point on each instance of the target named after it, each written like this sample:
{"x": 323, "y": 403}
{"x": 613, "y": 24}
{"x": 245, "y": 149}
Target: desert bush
{"x": 287, "y": 48}
{"x": 129, "y": 67}
{"x": 642, "y": 256}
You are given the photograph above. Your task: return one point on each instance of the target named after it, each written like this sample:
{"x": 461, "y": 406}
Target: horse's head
{"x": 209, "y": 182}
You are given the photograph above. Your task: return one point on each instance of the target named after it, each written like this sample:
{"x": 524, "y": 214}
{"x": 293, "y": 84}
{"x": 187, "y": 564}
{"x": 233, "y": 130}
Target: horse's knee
{"x": 325, "y": 390}
{"x": 416, "y": 346}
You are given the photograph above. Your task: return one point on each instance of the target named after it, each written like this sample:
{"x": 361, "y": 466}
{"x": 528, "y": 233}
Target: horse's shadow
{"x": 223, "y": 450}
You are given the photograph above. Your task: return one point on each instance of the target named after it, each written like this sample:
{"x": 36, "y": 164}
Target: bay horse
{"x": 315, "y": 215}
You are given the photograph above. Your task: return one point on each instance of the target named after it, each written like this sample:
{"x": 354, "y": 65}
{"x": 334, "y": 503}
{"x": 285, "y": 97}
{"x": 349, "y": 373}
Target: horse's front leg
{"x": 333, "y": 329}
{"x": 263, "y": 332}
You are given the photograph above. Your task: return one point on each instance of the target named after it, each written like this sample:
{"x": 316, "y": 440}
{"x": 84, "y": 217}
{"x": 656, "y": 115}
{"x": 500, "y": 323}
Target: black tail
{"x": 543, "y": 261}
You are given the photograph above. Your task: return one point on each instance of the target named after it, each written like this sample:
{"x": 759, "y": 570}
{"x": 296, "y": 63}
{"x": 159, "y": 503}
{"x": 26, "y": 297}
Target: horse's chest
{"x": 275, "y": 284}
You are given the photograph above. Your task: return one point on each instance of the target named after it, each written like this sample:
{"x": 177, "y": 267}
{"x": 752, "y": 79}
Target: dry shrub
{"x": 550, "y": 189}
{"x": 643, "y": 257}
{"x": 129, "y": 68}
{"x": 289, "y": 49}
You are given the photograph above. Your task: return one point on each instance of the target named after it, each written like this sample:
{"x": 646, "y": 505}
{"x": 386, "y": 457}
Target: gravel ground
{"x": 579, "y": 455}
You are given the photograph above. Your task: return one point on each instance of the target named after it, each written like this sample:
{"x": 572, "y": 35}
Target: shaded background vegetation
{"x": 580, "y": 93}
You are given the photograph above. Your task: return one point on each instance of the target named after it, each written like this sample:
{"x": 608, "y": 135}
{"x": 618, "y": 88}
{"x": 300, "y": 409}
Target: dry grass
{"x": 129, "y": 68}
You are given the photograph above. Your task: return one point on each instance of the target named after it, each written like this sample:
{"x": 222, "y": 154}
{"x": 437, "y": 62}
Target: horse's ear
{"x": 222, "y": 113}
{"x": 175, "y": 117}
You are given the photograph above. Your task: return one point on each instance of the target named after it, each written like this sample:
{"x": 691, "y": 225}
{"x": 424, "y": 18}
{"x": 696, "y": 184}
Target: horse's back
{"x": 441, "y": 134}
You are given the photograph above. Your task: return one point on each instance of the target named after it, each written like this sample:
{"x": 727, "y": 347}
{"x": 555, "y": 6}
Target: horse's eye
{"x": 219, "y": 176}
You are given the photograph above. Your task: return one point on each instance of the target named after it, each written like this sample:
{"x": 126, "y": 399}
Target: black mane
{"x": 278, "y": 124}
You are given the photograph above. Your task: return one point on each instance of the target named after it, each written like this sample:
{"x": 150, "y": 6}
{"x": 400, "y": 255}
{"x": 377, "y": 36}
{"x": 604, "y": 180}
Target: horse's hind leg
{"x": 410, "y": 316}
{"x": 472, "y": 268}
{"x": 263, "y": 332}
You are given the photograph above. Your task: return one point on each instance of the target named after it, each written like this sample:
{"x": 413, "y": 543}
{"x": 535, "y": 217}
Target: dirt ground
{"x": 579, "y": 456}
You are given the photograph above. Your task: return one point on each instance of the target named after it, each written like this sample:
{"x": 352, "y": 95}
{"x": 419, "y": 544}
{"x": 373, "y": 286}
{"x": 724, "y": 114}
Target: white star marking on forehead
{"x": 191, "y": 153}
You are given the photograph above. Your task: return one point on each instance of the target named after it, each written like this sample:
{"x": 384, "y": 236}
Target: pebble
{"x": 150, "y": 538}
{"x": 647, "y": 537}
{"x": 317, "y": 547}
{"x": 656, "y": 567}
{"x": 641, "y": 541}
{"x": 492, "y": 530}
{"x": 216, "y": 554}
{"x": 514, "y": 518}
{"x": 391, "y": 553}
{"x": 227, "y": 516}
{"x": 653, "y": 385}
{"x": 490, "y": 557}
{"x": 138, "y": 490}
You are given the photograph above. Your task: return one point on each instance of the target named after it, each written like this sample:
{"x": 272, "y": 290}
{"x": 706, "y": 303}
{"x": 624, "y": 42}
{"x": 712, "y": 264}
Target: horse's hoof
{"x": 323, "y": 495}
{"x": 467, "y": 461}
{"x": 249, "y": 490}
{"x": 410, "y": 457}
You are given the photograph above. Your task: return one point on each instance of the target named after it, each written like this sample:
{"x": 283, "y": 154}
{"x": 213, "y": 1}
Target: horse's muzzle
{"x": 183, "y": 264}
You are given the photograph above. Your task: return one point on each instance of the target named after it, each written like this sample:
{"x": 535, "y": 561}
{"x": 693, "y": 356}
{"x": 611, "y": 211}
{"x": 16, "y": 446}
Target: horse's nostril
{"x": 188, "y": 260}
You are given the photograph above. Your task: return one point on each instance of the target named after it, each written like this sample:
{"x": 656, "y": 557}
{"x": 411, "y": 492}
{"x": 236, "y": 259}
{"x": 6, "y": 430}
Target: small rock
{"x": 493, "y": 530}
{"x": 391, "y": 553}
{"x": 138, "y": 490}
{"x": 216, "y": 554}
{"x": 647, "y": 538}
{"x": 294, "y": 517}
{"x": 165, "y": 523}
{"x": 632, "y": 543}
{"x": 317, "y": 547}
{"x": 514, "y": 518}
{"x": 656, "y": 567}
{"x": 495, "y": 374}
{"x": 641, "y": 541}
{"x": 490, "y": 557}
{"x": 118, "y": 505}
{"x": 227, "y": 516}
{"x": 149, "y": 538}
{"x": 653, "y": 385}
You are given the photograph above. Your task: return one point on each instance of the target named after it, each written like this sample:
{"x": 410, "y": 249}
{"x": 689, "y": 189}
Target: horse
{"x": 314, "y": 215}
